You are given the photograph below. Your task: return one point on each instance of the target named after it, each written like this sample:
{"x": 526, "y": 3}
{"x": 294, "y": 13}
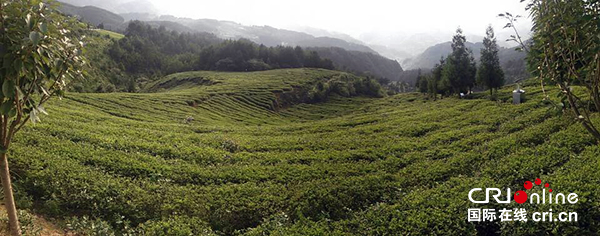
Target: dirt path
{"x": 47, "y": 228}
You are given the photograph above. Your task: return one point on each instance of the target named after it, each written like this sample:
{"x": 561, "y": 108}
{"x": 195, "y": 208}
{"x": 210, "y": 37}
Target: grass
{"x": 247, "y": 165}
{"x": 113, "y": 35}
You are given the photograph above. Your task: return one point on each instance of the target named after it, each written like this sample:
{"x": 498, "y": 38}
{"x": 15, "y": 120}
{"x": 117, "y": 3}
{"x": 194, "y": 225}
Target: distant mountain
{"x": 392, "y": 53}
{"x": 361, "y": 62}
{"x": 117, "y": 6}
{"x": 408, "y": 44}
{"x": 334, "y": 42}
{"x": 326, "y": 33}
{"x": 144, "y": 11}
{"x": 513, "y": 64}
{"x": 93, "y": 15}
{"x": 350, "y": 56}
{"x": 512, "y": 61}
{"x": 266, "y": 35}
{"x": 432, "y": 55}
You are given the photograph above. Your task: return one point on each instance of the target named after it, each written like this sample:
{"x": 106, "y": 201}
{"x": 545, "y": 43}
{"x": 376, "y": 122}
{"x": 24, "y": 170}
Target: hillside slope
{"x": 361, "y": 62}
{"x": 93, "y": 15}
{"x": 347, "y": 166}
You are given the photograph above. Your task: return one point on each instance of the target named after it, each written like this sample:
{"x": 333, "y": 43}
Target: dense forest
{"x": 361, "y": 63}
{"x": 156, "y": 51}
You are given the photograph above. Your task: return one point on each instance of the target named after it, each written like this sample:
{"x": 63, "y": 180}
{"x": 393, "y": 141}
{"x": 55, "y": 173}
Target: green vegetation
{"x": 103, "y": 74}
{"x": 489, "y": 73}
{"x": 253, "y": 160}
{"x": 111, "y": 34}
{"x": 361, "y": 63}
{"x": 39, "y": 56}
{"x": 454, "y": 74}
{"x": 566, "y": 53}
{"x": 156, "y": 51}
{"x": 458, "y": 75}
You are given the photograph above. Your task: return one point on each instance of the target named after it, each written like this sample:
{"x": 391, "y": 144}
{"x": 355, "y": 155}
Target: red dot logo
{"x": 547, "y": 185}
{"x": 520, "y": 197}
{"x": 528, "y": 185}
{"x": 538, "y": 181}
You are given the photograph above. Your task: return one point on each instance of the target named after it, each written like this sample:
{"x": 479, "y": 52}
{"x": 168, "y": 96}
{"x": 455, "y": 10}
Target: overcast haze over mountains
{"x": 399, "y": 30}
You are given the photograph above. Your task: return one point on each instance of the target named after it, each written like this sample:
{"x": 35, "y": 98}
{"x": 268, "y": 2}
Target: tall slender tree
{"x": 490, "y": 72}
{"x": 460, "y": 68}
{"x": 434, "y": 84}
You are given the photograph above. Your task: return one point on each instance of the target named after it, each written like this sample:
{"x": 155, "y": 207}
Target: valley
{"x": 348, "y": 165}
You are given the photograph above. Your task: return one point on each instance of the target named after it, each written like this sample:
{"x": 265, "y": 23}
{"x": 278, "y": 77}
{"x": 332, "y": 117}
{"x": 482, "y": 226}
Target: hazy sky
{"x": 355, "y": 17}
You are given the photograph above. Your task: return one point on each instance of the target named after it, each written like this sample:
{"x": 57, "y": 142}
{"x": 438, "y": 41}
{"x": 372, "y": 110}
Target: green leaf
{"x": 20, "y": 93}
{"x": 58, "y": 63}
{"x": 6, "y": 107}
{"x": 8, "y": 88}
{"x": 12, "y": 113}
{"x": 2, "y": 50}
{"x": 8, "y": 59}
{"x": 44, "y": 27}
{"x": 35, "y": 37}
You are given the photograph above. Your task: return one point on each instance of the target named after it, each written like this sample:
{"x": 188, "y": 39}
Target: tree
{"x": 421, "y": 83}
{"x": 460, "y": 69}
{"x": 566, "y": 52}
{"x": 490, "y": 72}
{"x": 39, "y": 55}
{"x": 435, "y": 84}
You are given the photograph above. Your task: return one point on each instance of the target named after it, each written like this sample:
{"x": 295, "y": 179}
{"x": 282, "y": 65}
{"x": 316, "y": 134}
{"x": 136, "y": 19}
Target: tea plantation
{"x": 295, "y": 152}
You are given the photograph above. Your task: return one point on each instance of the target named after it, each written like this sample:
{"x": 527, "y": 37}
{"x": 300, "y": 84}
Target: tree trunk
{"x": 9, "y": 201}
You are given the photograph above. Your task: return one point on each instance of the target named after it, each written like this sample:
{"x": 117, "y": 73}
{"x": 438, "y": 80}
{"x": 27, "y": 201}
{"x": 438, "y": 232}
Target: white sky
{"x": 355, "y": 17}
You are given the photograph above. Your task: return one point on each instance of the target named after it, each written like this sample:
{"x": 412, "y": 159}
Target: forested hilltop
{"x": 364, "y": 60}
{"x": 145, "y": 53}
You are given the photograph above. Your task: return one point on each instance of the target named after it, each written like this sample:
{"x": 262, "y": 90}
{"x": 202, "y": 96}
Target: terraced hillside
{"x": 262, "y": 156}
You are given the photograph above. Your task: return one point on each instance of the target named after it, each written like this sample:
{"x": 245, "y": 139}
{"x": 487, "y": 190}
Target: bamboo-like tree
{"x": 38, "y": 56}
{"x": 566, "y": 53}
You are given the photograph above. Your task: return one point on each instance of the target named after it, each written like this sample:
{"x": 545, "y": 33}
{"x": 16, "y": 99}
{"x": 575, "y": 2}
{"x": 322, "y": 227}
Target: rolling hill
{"x": 93, "y": 15}
{"x": 206, "y": 153}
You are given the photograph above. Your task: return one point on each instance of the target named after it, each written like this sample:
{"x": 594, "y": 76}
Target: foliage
{"x": 361, "y": 63}
{"x": 490, "y": 72}
{"x": 422, "y": 83}
{"x": 39, "y": 55}
{"x": 434, "y": 82}
{"x": 566, "y": 52}
{"x": 350, "y": 165}
{"x": 459, "y": 70}
{"x": 156, "y": 51}
{"x": 28, "y": 223}
{"x": 90, "y": 227}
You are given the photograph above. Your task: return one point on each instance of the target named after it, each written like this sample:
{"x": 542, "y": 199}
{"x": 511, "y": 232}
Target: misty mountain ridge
{"x": 512, "y": 61}
{"x": 432, "y": 55}
{"x": 117, "y": 6}
{"x": 357, "y": 58}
